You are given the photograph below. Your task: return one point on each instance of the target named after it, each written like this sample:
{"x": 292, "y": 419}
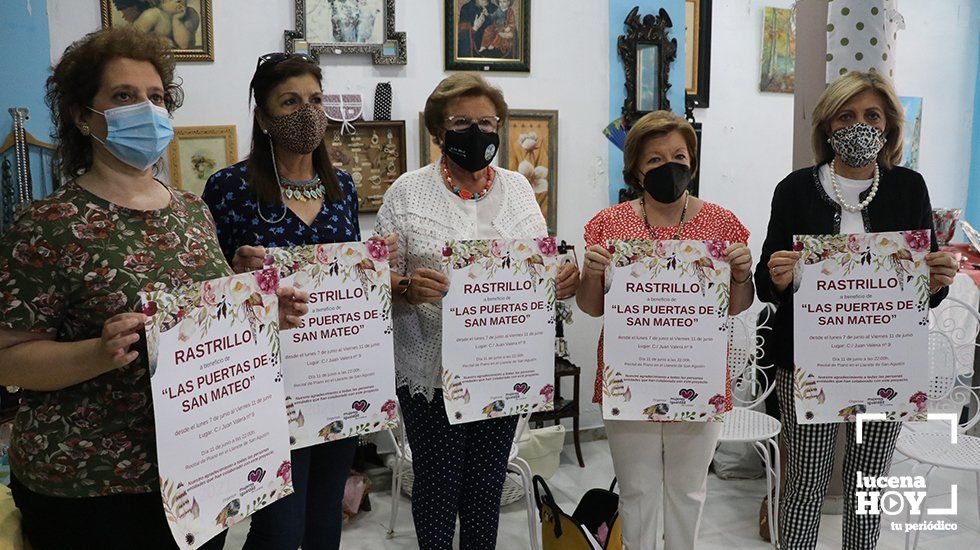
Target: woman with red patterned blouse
{"x": 661, "y": 458}
{"x": 83, "y": 449}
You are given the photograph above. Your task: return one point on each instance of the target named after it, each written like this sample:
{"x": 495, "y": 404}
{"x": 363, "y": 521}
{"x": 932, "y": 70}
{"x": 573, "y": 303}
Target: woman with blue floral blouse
{"x": 287, "y": 193}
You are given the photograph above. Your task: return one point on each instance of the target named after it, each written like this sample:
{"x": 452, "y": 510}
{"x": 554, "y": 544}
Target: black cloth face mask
{"x": 667, "y": 182}
{"x": 472, "y": 150}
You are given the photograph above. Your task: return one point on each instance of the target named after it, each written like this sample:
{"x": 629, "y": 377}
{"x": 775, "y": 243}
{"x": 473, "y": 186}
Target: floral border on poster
{"x": 312, "y": 266}
{"x": 192, "y": 310}
{"x": 482, "y": 259}
{"x": 899, "y": 252}
{"x": 647, "y": 260}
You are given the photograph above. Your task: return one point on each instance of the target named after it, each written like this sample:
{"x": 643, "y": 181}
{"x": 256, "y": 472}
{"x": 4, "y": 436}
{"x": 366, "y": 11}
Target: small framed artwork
{"x": 647, "y": 55}
{"x": 373, "y": 154}
{"x": 185, "y": 24}
{"x": 348, "y": 27}
{"x": 698, "y": 51}
{"x": 429, "y": 150}
{"x": 197, "y": 152}
{"x": 488, "y": 35}
{"x": 529, "y": 145}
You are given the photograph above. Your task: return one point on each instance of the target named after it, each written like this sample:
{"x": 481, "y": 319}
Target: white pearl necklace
{"x": 840, "y": 197}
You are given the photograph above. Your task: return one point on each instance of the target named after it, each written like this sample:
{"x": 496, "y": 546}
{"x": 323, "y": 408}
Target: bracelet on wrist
{"x": 745, "y": 280}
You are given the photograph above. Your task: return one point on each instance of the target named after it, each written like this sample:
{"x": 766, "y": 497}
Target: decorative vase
{"x": 944, "y": 220}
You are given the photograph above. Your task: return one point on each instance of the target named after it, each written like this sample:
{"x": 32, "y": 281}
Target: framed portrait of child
{"x": 185, "y": 24}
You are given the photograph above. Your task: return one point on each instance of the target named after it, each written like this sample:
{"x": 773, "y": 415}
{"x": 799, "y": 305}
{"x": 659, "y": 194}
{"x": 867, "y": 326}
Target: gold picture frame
{"x": 697, "y": 22}
{"x": 488, "y": 38}
{"x": 197, "y": 152}
{"x": 193, "y": 41}
{"x": 529, "y": 146}
{"x": 429, "y": 150}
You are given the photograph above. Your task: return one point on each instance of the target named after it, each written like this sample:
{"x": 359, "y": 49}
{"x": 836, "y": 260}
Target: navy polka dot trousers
{"x": 459, "y": 471}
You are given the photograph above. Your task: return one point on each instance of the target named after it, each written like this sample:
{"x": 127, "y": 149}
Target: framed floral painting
{"x": 529, "y": 145}
{"x": 197, "y": 152}
{"x": 185, "y": 24}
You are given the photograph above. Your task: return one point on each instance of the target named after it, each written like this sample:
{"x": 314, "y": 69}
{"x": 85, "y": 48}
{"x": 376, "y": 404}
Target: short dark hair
{"x": 77, "y": 77}
{"x": 260, "y": 171}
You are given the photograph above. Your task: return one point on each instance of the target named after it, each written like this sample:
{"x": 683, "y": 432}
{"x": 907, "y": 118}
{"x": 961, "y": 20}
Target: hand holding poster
{"x": 339, "y": 365}
{"x": 666, "y": 331}
{"x": 498, "y": 328}
{"x": 861, "y": 326}
{"x": 222, "y": 442}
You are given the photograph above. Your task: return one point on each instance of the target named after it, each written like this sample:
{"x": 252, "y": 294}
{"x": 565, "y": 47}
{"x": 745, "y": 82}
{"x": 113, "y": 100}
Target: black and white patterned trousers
{"x": 810, "y": 449}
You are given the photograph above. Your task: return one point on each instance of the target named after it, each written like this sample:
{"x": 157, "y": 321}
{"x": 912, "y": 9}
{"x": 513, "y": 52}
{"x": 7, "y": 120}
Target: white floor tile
{"x": 730, "y": 519}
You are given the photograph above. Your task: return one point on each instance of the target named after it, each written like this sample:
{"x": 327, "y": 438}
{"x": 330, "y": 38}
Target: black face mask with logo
{"x": 472, "y": 149}
{"x": 667, "y": 182}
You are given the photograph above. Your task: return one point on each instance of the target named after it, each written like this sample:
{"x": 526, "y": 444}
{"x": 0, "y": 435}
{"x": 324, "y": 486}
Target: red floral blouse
{"x": 621, "y": 222}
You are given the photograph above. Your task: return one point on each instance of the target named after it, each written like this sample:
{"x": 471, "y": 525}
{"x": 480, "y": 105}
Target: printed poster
{"x": 222, "y": 440}
{"x": 498, "y": 328}
{"x": 666, "y": 331}
{"x": 339, "y": 365}
{"x": 861, "y": 326}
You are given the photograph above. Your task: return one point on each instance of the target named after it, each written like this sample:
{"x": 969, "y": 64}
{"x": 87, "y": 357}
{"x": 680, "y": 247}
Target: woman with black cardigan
{"x": 855, "y": 187}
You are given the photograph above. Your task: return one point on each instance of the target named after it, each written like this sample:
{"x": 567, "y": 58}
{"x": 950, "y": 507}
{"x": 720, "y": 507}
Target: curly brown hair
{"x": 76, "y": 79}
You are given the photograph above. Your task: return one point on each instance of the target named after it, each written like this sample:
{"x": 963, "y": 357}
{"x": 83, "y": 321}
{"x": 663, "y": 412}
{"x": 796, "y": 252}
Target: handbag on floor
{"x": 594, "y": 525}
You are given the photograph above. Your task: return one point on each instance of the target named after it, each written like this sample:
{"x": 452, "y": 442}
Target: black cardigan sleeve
{"x": 926, "y": 222}
{"x": 779, "y": 237}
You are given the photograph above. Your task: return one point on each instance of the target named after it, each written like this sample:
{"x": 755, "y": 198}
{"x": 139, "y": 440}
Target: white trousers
{"x": 661, "y": 459}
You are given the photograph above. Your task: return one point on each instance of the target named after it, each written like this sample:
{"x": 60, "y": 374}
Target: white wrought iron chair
{"x": 751, "y": 384}
{"x": 515, "y": 464}
{"x": 951, "y": 348}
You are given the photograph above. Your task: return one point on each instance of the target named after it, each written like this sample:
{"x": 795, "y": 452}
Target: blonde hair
{"x": 654, "y": 125}
{"x": 456, "y": 86}
{"x": 843, "y": 90}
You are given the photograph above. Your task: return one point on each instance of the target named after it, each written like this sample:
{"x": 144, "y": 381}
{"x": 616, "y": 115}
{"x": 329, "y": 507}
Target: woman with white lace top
{"x": 459, "y": 469}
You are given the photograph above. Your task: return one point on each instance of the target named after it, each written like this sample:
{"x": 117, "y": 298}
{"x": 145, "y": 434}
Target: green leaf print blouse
{"x": 71, "y": 262}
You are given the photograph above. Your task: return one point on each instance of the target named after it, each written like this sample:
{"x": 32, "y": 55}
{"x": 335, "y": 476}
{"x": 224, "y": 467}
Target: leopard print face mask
{"x": 857, "y": 145}
{"x": 300, "y": 131}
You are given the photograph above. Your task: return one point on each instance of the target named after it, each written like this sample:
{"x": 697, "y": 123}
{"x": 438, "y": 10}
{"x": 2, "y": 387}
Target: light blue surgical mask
{"x": 138, "y": 134}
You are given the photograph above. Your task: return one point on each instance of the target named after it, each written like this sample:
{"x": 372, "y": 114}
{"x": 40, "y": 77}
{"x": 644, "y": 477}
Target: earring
{"x": 85, "y": 130}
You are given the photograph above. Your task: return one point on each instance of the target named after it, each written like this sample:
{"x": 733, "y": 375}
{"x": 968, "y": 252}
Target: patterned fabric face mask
{"x": 300, "y": 131}
{"x": 857, "y": 145}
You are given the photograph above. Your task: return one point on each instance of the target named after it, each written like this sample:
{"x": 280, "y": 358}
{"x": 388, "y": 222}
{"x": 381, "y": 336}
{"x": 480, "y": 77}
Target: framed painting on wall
{"x": 348, "y": 27}
{"x": 429, "y": 151}
{"x": 778, "y": 70}
{"x": 185, "y": 24}
{"x": 373, "y": 154}
{"x": 488, "y": 35}
{"x": 197, "y": 152}
{"x": 913, "y": 131}
{"x": 698, "y": 51}
{"x": 529, "y": 145}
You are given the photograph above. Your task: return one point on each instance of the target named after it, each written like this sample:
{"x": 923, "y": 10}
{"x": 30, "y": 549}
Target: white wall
{"x": 571, "y": 79}
{"x": 747, "y": 134}
{"x": 937, "y": 61}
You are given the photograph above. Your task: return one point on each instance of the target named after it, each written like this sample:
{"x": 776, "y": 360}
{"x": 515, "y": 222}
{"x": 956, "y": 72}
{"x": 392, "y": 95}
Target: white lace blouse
{"x": 424, "y": 214}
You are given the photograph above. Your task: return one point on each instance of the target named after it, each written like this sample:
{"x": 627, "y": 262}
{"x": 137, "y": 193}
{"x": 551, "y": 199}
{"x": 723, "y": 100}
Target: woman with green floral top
{"x": 83, "y": 453}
